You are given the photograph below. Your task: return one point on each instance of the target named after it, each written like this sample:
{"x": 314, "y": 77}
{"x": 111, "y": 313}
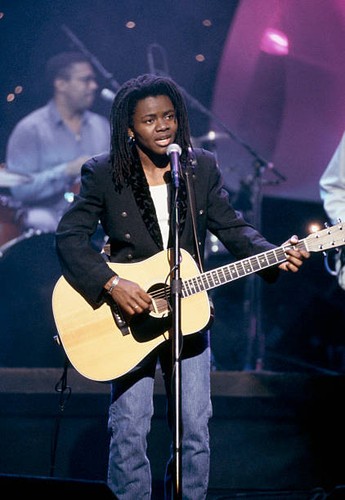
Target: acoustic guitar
{"x": 102, "y": 346}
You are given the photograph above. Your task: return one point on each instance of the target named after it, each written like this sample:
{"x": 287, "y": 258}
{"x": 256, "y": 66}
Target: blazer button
{"x": 127, "y": 236}
{"x": 129, "y": 256}
{"x": 124, "y": 214}
{"x": 201, "y": 212}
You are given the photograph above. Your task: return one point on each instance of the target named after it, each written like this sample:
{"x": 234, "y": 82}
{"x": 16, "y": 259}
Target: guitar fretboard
{"x": 230, "y": 272}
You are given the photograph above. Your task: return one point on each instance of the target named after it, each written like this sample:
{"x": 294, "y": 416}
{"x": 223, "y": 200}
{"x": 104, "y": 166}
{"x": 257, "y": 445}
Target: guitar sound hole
{"x": 160, "y": 294}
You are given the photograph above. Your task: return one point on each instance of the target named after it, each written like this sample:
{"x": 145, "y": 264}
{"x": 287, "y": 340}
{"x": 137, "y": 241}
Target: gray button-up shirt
{"x": 41, "y": 145}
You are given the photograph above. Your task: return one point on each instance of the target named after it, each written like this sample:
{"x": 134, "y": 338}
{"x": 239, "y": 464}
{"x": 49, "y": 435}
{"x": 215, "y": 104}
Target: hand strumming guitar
{"x": 131, "y": 298}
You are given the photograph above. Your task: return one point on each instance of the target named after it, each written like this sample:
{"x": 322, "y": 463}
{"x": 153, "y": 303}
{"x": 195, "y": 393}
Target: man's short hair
{"x": 59, "y": 66}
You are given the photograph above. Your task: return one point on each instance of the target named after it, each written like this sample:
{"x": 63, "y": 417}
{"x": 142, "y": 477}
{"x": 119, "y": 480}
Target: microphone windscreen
{"x": 174, "y": 148}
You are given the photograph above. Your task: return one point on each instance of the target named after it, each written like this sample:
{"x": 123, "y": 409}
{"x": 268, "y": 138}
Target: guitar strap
{"x": 190, "y": 176}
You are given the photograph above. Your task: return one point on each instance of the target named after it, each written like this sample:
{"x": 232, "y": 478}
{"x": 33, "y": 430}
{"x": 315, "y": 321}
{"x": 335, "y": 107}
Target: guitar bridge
{"x": 119, "y": 320}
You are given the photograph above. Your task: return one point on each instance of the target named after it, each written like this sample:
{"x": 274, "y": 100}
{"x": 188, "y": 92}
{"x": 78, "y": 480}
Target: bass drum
{"x": 11, "y": 219}
{"x": 29, "y": 269}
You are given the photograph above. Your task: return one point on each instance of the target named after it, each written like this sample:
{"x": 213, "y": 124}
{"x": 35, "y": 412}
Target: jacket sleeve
{"x": 332, "y": 184}
{"x": 83, "y": 266}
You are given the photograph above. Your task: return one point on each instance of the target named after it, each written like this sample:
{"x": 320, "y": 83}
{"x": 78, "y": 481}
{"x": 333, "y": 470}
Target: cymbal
{"x": 211, "y": 136}
{"x": 11, "y": 179}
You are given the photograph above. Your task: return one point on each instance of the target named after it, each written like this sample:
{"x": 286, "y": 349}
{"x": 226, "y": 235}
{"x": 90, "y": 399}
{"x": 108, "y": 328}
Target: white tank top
{"x": 161, "y": 199}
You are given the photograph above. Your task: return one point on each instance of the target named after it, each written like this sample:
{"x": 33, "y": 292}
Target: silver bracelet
{"x": 113, "y": 284}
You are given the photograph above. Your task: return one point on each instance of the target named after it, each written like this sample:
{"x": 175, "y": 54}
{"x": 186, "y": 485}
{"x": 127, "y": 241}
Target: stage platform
{"x": 269, "y": 432}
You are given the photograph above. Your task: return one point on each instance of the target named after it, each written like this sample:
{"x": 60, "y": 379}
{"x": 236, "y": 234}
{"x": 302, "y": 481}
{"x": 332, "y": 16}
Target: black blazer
{"x": 129, "y": 220}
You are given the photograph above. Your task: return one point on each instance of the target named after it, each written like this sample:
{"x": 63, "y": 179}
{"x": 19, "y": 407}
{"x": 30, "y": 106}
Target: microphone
{"x": 107, "y": 94}
{"x": 174, "y": 152}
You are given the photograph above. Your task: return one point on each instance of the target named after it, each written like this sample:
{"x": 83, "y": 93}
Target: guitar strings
{"x": 165, "y": 292}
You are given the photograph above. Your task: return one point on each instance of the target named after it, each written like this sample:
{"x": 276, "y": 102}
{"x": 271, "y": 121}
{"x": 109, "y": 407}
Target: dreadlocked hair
{"x": 122, "y": 151}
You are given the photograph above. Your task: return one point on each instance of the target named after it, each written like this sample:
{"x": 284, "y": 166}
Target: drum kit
{"x": 27, "y": 257}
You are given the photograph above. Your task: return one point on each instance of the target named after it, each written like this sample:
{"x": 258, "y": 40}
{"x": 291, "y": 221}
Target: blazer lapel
{"x": 142, "y": 195}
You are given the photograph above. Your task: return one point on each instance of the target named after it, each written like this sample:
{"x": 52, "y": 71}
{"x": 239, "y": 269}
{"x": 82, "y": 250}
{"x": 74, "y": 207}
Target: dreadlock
{"x": 122, "y": 152}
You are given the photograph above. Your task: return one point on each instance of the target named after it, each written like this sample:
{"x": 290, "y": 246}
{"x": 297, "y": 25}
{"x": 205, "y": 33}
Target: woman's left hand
{"x": 295, "y": 257}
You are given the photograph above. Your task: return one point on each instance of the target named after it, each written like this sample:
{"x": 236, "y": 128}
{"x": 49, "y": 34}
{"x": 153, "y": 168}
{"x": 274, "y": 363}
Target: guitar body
{"x": 94, "y": 343}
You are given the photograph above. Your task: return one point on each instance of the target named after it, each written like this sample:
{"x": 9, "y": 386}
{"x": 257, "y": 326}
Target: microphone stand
{"x": 252, "y": 302}
{"x": 176, "y": 291}
{"x": 93, "y": 59}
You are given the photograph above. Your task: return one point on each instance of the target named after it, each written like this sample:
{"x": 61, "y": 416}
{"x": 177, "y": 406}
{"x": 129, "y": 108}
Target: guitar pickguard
{"x": 145, "y": 327}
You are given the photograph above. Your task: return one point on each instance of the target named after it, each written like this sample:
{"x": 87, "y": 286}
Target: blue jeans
{"x": 130, "y": 414}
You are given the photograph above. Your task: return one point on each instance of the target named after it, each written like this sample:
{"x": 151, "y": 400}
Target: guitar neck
{"x": 230, "y": 272}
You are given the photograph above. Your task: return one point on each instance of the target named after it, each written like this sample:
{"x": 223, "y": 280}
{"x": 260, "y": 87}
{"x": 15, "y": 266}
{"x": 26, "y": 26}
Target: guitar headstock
{"x": 330, "y": 237}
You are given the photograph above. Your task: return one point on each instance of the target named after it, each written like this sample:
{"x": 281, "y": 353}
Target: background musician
{"x": 51, "y": 143}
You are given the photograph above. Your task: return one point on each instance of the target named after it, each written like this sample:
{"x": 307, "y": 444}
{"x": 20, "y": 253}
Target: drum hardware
{"x": 11, "y": 179}
{"x": 27, "y": 234}
{"x": 27, "y": 323}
